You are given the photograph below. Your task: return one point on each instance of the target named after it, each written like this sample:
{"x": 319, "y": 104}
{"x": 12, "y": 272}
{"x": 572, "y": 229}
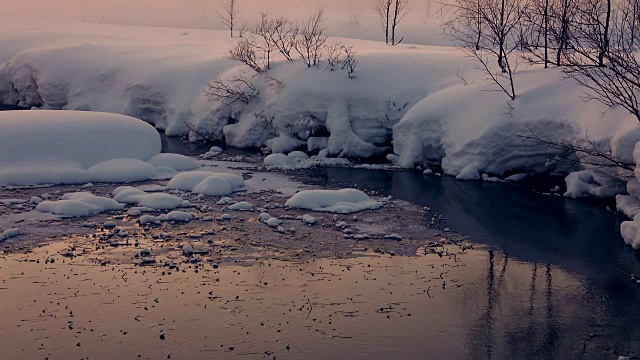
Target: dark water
{"x": 544, "y": 235}
{"x": 556, "y": 283}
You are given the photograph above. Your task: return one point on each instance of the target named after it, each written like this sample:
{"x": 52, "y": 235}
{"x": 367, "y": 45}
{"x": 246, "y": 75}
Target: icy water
{"x": 565, "y": 253}
{"x": 554, "y": 282}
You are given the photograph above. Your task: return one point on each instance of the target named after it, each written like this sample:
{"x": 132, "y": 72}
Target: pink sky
{"x": 351, "y": 18}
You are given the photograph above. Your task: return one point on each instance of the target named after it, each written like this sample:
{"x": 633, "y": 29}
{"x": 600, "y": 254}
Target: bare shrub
{"x": 283, "y": 34}
{"x": 246, "y": 52}
{"x": 350, "y": 63}
{"x": 335, "y": 55}
{"x": 311, "y": 39}
{"x": 239, "y": 89}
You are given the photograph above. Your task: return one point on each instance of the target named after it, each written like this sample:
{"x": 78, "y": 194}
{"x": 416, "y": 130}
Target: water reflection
{"x": 535, "y": 228}
{"x": 569, "y": 295}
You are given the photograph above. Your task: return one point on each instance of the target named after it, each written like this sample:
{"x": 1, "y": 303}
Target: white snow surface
{"x": 207, "y": 183}
{"x": 407, "y": 95}
{"x": 9, "y": 233}
{"x": 630, "y": 206}
{"x": 343, "y": 201}
{"x": 156, "y": 201}
{"x": 79, "y": 147}
{"x": 79, "y": 204}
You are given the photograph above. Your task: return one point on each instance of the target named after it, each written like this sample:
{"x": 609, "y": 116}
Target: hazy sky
{"x": 344, "y": 17}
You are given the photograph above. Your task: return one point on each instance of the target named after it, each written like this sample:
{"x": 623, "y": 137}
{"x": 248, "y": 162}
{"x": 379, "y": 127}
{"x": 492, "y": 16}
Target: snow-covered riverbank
{"x": 406, "y": 99}
{"x": 421, "y": 105}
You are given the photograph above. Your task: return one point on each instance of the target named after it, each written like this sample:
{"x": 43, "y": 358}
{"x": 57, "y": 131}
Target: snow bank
{"x": 630, "y": 205}
{"x": 207, "y": 183}
{"x": 83, "y": 138}
{"x": 160, "y": 77}
{"x": 407, "y": 96}
{"x": 343, "y": 201}
{"x": 472, "y": 132}
{"x": 79, "y": 204}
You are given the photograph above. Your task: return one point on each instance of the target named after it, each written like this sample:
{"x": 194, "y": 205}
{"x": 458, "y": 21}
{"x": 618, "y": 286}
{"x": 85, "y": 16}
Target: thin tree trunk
{"x": 546, "y": 34}
{"x": 605, "y": 40}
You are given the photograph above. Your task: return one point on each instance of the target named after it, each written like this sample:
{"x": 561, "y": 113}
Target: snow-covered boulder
{"x": 174, "y": 161}
{"x": 207, "y": 183}
{"x": 9, "y": 233}
{"x": 79, "y": 204}
{"x": 156, "y": 201}
{"x": 343, "y": 201}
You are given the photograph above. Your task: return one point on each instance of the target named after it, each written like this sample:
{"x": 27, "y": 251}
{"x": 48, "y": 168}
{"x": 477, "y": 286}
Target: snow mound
{"x": 79, "y": 204}
{"x": 213, "y": 186}
{"x": 212, "y": 153}
{"x": 147, "y": 219}
{"x": 73, "y": 147}
{"x": 156, "y": 201}
{"x": 471, "y": 132}
{"x": 9, "y": 233}
{"x": 207, "y": 183}
{"x": 241, "y": 206}
{"x": 85, "y": 138}
{"x": 588, "y": 183}
{"x": 122, "y": 171}
{"x": 102, "y": 202}
{"x": 174, "y": 161}
{"x": 278, "y": 160}
{"x": 177, "y": 216}
{"x": 71, "y": 208}
{"x": 343, "y": 201}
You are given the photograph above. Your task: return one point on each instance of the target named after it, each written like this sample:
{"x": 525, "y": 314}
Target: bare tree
{"x": 617, "y": 81}
{"x": 311, "y": 39}
{"x": 498, "y": 37}
{"x": 593, "y": 28}
{"x": 263, "y": 42}
{"x": 383, "y": 8}
{"x": 283, "y": 34}
{"x": 228, "y": 14}
{"x": 550, "y": 28}
{"x": 399, "y": 12}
